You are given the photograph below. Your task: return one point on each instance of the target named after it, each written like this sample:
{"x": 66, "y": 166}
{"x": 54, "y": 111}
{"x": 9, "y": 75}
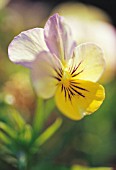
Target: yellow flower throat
{"x": 66, "y": 77}
{"x": 67, "y": 82}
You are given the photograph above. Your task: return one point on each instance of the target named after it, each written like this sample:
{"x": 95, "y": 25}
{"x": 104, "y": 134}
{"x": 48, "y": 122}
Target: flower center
{"x": 66, "y": 77}
{"x": 67, "y": 80}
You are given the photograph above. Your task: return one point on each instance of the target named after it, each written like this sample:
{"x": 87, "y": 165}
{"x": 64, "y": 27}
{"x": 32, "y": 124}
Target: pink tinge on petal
{"x": 25, "y": 47}
{"x": 58, "y": 37}
{"x": 44, "y": 74}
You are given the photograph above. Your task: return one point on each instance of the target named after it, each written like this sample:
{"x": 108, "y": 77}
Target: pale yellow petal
{"x": 89, "y": 61}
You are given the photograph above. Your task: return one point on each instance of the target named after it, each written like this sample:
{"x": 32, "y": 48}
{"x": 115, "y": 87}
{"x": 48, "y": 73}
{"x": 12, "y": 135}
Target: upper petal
{"x": 44, "y": 74}
{"x": 82, "y": 98}
{"x": 88, "y": 62}
{"x": 58, "y": 37}
{"x": 25, "y": 47}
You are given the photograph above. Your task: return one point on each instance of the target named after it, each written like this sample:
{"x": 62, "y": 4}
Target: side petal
{"x": 88, "y": 62}
{"x": 83, "y": 98}
{"x": 44, "y": 74}
{"x": 25, "y": 47}
{"x": 58, "y": 37}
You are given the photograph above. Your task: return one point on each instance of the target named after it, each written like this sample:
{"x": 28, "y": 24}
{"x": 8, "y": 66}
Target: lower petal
{"x": 86, "y": 98}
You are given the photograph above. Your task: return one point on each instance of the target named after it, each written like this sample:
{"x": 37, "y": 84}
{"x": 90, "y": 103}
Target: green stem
{"x": 22, "y": 161}
{"x": 39, "y": 116}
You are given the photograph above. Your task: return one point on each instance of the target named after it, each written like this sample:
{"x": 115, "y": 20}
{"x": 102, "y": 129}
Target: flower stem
{"x": 22, "y": 161}
{"x": 39, "y": 116}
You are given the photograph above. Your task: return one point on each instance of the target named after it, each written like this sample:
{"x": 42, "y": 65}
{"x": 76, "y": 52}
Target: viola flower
{"x": 60, "y": 68}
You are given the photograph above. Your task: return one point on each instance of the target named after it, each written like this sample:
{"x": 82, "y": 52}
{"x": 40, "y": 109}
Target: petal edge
{"x": 24, "y": 48}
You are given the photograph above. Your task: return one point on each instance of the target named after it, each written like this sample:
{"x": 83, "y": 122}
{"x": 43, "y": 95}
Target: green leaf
{"x": 17, "y": 119}
{"x": 4, "y": 139}
{"x": 7, "y": 129}
{"x": 48, "y": 133}
{"x": 28, "y": 132}
{"x": 25, "y": 135}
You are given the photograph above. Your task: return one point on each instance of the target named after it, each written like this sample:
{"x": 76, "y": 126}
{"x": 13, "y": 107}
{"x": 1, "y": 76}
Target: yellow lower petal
{"x": 88, "y": 99}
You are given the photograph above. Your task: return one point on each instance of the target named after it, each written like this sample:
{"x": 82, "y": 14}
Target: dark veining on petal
{"x": 75, "y": 68}
{"x": 77, "y": 73}
{"x": 72, "y": 90}
{"x": 58, "y": 73}
{"x": 57, "y": 78}
{"x": 77, "y": 91}
{"x": 65, "y": 92}
{"x": 62, "y": 88}
{"x": 81, "y": 88}
{"x": 69, "y": 96}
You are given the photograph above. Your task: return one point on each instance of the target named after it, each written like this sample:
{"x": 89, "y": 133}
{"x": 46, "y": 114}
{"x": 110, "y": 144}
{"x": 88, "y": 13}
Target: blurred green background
{"x": 90, "y": 142}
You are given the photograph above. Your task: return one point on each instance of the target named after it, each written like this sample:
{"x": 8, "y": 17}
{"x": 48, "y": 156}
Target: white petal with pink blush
{"x": 25, "y": 47}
